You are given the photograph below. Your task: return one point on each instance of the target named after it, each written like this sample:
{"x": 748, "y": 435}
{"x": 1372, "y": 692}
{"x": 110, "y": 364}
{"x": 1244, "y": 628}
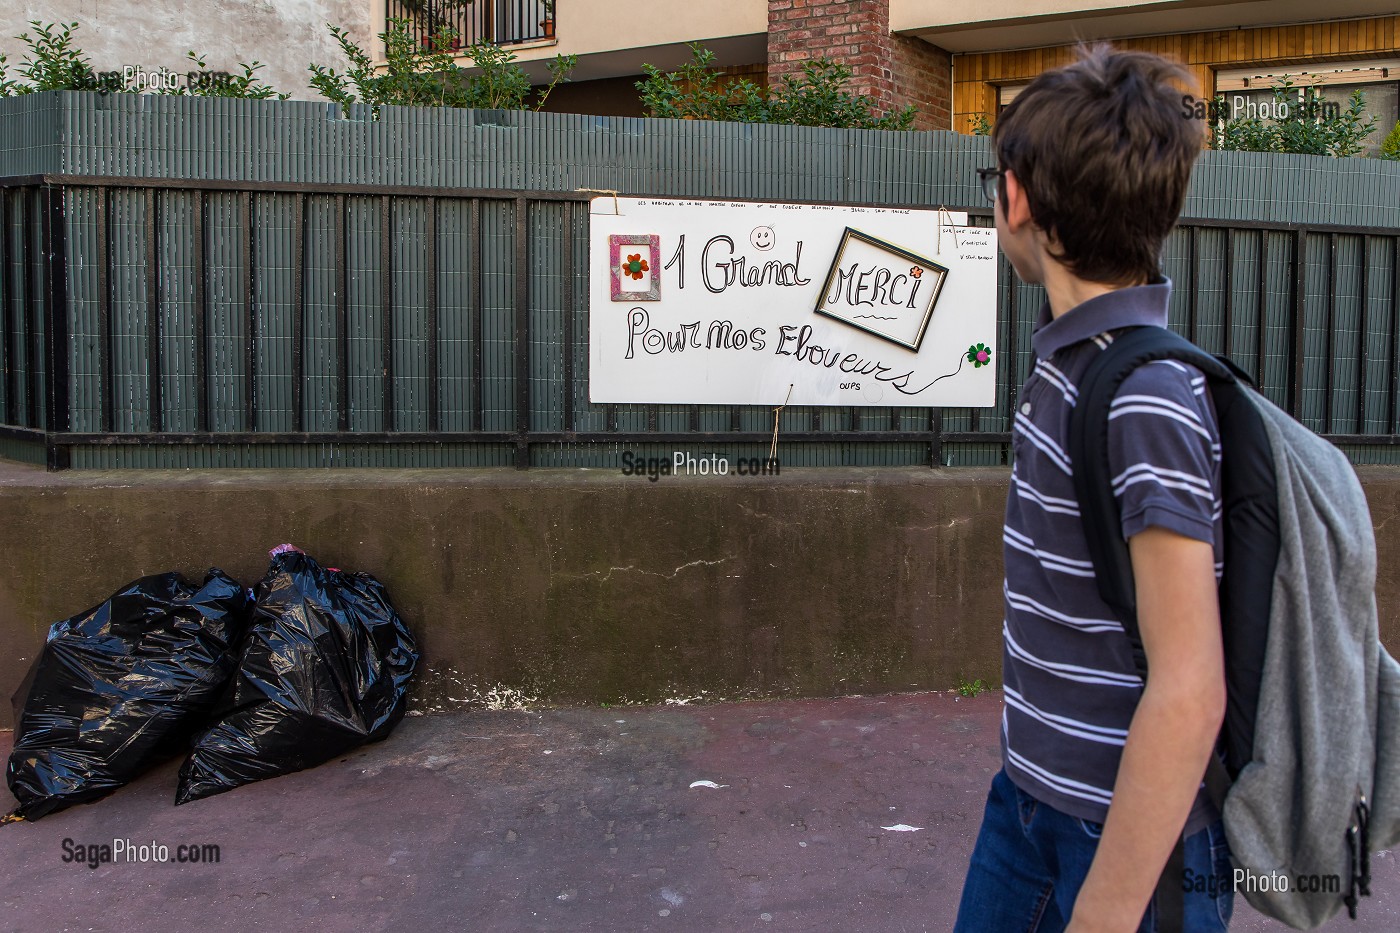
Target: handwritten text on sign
{"x": 728, "y": 302}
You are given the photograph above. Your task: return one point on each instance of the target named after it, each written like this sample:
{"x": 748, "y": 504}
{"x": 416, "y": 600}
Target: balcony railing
{"x": 494, "y": 22}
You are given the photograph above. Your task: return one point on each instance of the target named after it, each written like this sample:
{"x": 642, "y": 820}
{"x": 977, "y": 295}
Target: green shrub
{"x": 426, "y": 74}
{"x": 979, "y": 124}
{"x": 1390, "y": 148}
{"x": 54, "y": 63}
{"x": 818, "y": 96}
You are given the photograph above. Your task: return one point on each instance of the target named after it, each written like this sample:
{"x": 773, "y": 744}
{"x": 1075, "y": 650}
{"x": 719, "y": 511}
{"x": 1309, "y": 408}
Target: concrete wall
{"x": 580, "y": 585}
{"x": 285, "y": 35}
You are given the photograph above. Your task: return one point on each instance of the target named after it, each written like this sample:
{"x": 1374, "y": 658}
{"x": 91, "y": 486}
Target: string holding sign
{"x": 616, "y": 211}
{"x": 952, "y": 229}
{"x": 773, "y": 450}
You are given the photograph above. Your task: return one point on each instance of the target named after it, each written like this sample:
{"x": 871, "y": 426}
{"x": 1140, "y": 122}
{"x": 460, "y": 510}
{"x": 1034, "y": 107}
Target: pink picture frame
{"x": 626, "y": 286}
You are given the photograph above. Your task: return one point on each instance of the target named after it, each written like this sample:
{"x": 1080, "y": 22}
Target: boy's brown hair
{"x": 1103, "y": 148}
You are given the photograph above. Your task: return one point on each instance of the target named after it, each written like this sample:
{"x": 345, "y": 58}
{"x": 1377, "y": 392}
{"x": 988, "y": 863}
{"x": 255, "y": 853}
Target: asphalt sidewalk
{"x": 571, "y": 819}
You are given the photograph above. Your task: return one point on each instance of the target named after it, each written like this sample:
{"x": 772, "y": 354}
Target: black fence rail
{"x": 173, "y": 323}
{"x": 492, "y": 22}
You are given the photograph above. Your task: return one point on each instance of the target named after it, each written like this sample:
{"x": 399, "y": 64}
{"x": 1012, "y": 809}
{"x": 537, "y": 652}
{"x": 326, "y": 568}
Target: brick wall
{"x": 893, "y": 71}
{"x": 923, "y": 76}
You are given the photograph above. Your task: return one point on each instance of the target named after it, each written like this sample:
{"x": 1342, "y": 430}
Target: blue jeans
{"x": 1031, "y": 859}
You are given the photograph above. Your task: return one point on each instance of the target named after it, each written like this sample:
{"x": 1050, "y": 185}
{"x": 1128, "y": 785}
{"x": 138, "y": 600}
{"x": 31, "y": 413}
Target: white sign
{"x": 746, "y": 303}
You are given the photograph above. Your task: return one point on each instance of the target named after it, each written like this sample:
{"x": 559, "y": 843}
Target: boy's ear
{"x": 1015, "y": 205}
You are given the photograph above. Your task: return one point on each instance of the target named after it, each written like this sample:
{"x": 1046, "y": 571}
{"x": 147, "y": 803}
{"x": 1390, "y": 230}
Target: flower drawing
{"x": 635, "y": 266}
{"x": 979, "y": 355}
{"x": 917, "y": 272}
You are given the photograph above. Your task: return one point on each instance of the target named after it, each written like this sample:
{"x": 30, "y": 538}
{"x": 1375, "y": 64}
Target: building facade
{"x": 958, "y": 64}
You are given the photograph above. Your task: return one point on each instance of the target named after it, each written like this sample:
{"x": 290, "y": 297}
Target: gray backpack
{"x": 1308, "y": 772}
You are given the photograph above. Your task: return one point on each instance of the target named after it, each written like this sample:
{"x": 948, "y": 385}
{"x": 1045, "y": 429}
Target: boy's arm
{"x": 1172, "y": 733}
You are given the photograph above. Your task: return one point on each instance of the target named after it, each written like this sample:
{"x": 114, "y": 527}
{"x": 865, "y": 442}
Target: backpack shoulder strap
{"x": 1088, "y": 452}
{"x": 1098, "y": 508}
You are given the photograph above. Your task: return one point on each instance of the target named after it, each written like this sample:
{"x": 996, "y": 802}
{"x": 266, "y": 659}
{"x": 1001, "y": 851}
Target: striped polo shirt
{"x": 1071, "y": 686}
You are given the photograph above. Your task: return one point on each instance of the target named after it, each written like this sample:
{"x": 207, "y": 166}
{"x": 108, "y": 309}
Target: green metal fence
{"x": 232, "y": 283}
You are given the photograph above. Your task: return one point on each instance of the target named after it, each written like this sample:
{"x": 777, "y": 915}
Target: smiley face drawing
{"x": 762, "y": 238}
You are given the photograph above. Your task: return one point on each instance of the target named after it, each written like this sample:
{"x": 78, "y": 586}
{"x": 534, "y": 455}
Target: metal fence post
{"x": 7, "y": 319}
{"x": 1296, "y": 320}
{"x": 522, "y": 334}
{"x": 54, "y": 227}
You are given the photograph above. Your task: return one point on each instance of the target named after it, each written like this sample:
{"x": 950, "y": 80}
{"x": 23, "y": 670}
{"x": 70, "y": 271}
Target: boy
{"x": 1101, "y": 773}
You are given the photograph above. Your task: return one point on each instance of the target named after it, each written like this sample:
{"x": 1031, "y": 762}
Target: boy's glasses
{"x": 990, "y": 178}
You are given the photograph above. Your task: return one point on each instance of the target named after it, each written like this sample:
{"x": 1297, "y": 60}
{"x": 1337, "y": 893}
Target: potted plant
{"x": 548, "y": 22}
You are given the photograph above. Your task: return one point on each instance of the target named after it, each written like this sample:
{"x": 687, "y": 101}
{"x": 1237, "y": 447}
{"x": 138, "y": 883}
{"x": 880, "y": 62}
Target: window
{"x": 1006, "y": 95}
{"x": 1249, "y": 92}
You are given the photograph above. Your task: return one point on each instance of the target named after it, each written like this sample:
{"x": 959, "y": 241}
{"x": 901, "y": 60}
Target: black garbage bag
{"x": 123, "y": 686}
{"x": 325, "y": 668}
